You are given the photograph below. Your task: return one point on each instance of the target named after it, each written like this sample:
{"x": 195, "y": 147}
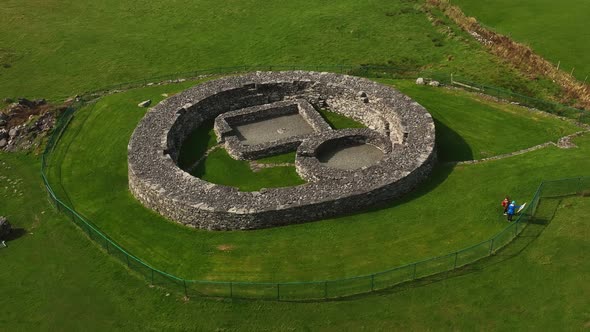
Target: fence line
{"x": 307, "y": 290}
{"x": 364, "y": 71}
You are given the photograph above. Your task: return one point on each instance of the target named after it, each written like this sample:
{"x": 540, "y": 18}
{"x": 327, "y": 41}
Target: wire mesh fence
{"x": 369, "y": 71}
{"x": 309, "y": 290}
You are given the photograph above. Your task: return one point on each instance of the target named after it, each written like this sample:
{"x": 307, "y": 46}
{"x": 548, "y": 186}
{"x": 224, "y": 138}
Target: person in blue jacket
{"x": 511, "y": 211}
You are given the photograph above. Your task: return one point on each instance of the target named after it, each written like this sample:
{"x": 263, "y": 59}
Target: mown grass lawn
{"x": 474, "y": 127}
{"x": 337, "y": 121}
{"x": 446, "y": 213}
{"x": 219, "y": 167}
{"x": 557, "y": 30}
{"x": 54, "y": 278}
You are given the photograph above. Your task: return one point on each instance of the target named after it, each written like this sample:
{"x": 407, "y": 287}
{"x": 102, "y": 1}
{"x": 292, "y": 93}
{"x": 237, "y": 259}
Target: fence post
{"x": 278, "y": 292}
{"x": 128, "y": 265}
{"x": 152, "y": 275}
{"x": 325, "y": 289}
{"x": 185, "y": 292}
{"x": 414, "y": 273}
{"x": 231, "y": 289}
{"x": 372, "y": 282}
{"x": 107, "y": 246}
{"x": 579, "y": 186}
{"x": 455, "y": 264}
{"x": 491, "y": 246}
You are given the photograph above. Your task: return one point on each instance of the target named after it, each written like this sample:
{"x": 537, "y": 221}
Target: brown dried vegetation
{"x": 519, "y": 55}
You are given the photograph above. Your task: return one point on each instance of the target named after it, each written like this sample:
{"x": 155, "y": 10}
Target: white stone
{"x": 145, "y": 103}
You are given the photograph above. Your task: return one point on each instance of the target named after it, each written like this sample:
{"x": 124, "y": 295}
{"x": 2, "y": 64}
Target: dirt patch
{"x": 25, "y": 125}
{"x": 225, "y": 247}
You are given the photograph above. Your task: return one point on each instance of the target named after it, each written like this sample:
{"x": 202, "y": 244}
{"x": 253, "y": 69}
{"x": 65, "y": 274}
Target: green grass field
{"x": 406, "y": 231}
{"x": 219, "y": 167}
{"x": 554, "y": 29}
{"x": 55, "y": 49}
{"x": 337, "y": 121}
{"x": 474, "y": 127}
{"x": 54, "y": 278}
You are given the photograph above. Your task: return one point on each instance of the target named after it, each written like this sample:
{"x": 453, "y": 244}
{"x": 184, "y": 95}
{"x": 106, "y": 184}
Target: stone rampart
{"x": 397, "y": 125}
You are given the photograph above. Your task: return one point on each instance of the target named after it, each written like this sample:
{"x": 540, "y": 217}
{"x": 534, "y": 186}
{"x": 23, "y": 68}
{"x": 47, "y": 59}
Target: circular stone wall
{"x": 401, "y": 128}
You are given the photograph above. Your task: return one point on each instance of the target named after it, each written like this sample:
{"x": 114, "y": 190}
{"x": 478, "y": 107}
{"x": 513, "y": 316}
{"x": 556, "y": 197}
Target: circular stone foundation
{"x": 346, "y": 170}
{"x": 349, "y": 156}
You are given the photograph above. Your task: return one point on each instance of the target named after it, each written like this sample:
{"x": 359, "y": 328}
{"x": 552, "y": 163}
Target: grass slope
{"x": 56, "y": 279}
{"x": 337, "y": 121}
{"x": 196, "y": 144}
{"x": 94, "y": 176}
{"x": 279, "y": 159}
{"x": 54, "y": 49}
{"x": 476, "y": 127}
{"x": 555, "y": 29}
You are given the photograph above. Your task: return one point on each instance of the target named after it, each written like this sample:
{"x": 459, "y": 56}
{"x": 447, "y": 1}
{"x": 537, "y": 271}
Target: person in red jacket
{"x": 505, "y": 204}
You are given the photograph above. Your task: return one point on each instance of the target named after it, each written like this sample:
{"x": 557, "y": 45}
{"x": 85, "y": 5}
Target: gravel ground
{"x": 273, "y": 129}
{"x": 352, "y": 157}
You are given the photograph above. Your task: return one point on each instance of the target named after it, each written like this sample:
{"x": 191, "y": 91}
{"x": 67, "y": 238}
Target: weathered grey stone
{"x": 3, "y": 143}
{"x": 420, "y": 81}
{"x": 13, "y": 132}
{"x": 434, "y": 83}
{"x": 145, "y": 103}
{"x": 401, "y": 128}
{"x": 5, "y": 227}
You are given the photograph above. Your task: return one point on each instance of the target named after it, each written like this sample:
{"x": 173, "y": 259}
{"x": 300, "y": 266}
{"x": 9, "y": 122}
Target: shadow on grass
{"x": 450, "y": 142}
{"x": 55, "y": 164}
{"x": 196, "y": 144}
{"x": 15, "y": 234}
{"x": 450, "y": 145}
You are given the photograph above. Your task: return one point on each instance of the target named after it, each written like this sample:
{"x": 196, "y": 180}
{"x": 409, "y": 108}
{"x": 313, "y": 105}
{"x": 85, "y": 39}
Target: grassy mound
{"x": 434, "y": 219}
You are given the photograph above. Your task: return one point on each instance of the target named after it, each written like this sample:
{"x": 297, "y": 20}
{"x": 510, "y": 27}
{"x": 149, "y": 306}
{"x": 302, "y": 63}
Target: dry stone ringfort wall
{"x": 401, "y": 128}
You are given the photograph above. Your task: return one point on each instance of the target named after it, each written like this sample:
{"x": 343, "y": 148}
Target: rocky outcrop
{"x": 24, "y": 124}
